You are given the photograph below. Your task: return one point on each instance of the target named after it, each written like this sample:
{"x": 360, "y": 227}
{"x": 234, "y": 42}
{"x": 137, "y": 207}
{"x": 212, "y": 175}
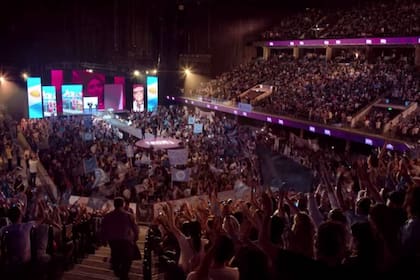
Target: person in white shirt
{"x": 33, "y": 169}
{"x": 26, "y": 156}
{"x": 129, "y": 150}
{"x": 214, "y": 265}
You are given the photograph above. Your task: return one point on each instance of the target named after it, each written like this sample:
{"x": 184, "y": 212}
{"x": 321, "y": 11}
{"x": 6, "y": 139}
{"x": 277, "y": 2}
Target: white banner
{"x": 178, "y": 156}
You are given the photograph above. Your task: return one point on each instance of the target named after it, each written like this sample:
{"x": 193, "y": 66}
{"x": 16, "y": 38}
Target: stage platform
{"x": 159, "y": 143}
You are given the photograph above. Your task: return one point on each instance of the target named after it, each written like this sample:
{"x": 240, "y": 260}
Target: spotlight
{"x": 25, "y": 75}
{"x": 147, "y": 72}
{"x": 154, "y": 71}
{"x": 187, "y": 71}
{"x": 89, "y": 70}
{"x": 2, "y": 79}
{"x": 136, "y": 73}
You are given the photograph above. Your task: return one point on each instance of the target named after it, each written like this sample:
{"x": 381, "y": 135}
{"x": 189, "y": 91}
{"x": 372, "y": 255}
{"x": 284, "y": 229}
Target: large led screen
{"x": 93, "y": 85}
{"x": 114, "y": 97}
{"x": 152, "y": 92}
{"x": 90, "y": 104}
{"x": 34, "y": 97}
{"x": 49, "y": 101}
{"x": 72, "y": 99}
{"x": 138, "y": 98}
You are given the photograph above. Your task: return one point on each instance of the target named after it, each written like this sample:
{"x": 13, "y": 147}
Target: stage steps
{"x": 97, "y": 266}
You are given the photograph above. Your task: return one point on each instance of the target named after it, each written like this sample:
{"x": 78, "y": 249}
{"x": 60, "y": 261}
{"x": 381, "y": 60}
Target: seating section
{"x": 408, "y": 128}
{"x": 367, "y": 19}
{"x": 326, "y": 92}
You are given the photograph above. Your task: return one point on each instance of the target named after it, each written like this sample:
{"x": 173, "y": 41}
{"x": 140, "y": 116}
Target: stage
{"x": 159, "y": 143}
{"x": 146, "y": 142}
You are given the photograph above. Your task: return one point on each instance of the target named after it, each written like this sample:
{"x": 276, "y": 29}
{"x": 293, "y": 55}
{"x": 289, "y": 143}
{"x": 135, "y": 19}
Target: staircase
{"x": 97, "y": 266}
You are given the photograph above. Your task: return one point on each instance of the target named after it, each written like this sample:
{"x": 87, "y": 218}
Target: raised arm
{"x": 264, "y": 239}
{"x": 169, "y": 212}
{"x": 314, "y": 210}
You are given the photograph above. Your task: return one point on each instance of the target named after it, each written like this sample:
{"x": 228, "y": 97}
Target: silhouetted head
{"x": 118, "y": 202}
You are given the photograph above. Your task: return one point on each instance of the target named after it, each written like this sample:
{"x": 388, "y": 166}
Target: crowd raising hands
{"x": 332, "y": 231}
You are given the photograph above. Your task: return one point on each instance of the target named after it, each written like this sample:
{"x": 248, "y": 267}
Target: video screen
{"x": 138, "y": 98}
{"x": 114, "y": 96}
{"x": 152, "y": 93}
{"x": 90, "y": 104}
{"x": 93, "y": 84}
{"x": 49, "y": 101}
{"x": 72, "y": 99}
{"x": 34, "y": 97}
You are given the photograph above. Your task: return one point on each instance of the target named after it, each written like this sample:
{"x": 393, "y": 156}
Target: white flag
{"x": 181, "y": 175}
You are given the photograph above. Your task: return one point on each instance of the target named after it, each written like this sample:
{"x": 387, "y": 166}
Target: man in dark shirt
{"x": 121, "y": 232}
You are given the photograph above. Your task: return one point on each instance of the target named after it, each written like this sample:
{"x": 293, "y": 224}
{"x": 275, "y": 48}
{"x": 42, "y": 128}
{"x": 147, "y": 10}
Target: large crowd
{"x": 138, "y": 174}
{"x": 39, "y": 239}
{"x": 370, "y": 19}
{"x": 409, "y": 127}
{"x": 358, "y": 219}
{"x": 361, "y": 212}
{"x": 310, "y": 88}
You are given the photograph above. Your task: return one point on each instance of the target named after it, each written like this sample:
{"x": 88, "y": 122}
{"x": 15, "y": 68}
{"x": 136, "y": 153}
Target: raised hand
{"x": 267, "y": 204}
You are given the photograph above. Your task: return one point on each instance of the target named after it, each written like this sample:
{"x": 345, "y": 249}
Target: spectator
{"x": 121, "y": 232}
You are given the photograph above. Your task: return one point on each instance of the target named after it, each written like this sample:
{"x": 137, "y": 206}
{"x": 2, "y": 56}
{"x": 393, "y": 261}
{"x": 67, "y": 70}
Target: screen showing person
{"x": 93, "y": 85}
{"x": 138, "y": 98}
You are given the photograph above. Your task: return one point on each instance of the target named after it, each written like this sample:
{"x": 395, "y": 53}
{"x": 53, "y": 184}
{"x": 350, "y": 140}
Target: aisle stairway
{"x": 97, "y": 267}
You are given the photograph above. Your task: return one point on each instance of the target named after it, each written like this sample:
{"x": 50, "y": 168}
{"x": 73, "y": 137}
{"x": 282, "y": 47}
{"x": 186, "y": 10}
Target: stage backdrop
{"x": 93, "y": 85}
{"x": 119, "y": 80}
{"x": 49, "y": 101}
{"x": 34, "y": 97}
{"x": 152, "y": 92}
{"x": 114, "y": 96}
{"x": 72, "y": 99}
{"x": 57, "y": 80}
